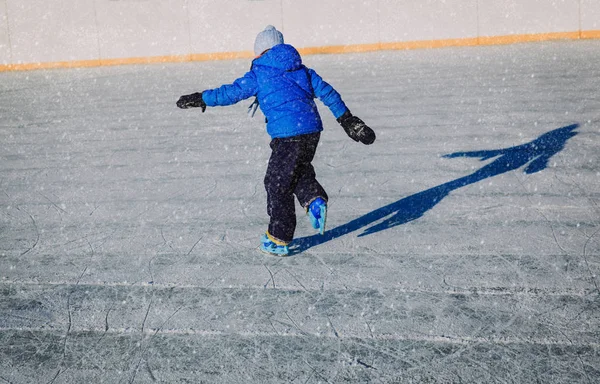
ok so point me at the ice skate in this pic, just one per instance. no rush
(268, 245)
(317, 213)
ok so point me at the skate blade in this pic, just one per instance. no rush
(262, 250)
(323, 220)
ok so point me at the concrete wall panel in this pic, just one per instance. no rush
(230, 25)
(316, 23)
(52, 31)
(142, 28)
(513, 17)
(590, 15)
(5, 56)
(55, 31)
(408, 20)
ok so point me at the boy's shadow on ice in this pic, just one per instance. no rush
(534, 154)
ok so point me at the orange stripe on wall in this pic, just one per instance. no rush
(126, 61)
(50, 65)
(419, 44)
(146, 60)
(512, 39)
(590, 34)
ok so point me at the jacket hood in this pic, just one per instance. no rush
(282, 56)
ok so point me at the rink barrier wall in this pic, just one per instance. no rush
(37, 34)
(334, 49)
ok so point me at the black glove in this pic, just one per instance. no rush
(356, 128)
(191, 101)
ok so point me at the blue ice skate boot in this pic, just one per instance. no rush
(317, 213)
(270, 245)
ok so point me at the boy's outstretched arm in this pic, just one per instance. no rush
(354, 127)
(228, 94)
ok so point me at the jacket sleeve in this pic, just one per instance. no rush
(229, 94)
(327, 94)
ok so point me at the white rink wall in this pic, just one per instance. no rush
(55, 33)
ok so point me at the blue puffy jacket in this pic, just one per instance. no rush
(285, 89)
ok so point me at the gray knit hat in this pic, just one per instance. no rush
(267, 39)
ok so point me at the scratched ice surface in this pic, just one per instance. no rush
(462, 247)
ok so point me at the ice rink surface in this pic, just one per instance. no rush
(463, 246)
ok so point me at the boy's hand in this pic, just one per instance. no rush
(356, 128)
(191, 101)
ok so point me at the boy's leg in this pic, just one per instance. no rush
(280, 182)
(310, 193)
(307, 187)
(290, 173)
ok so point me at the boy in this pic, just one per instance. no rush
(285, 90)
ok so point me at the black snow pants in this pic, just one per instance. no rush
(290, 173)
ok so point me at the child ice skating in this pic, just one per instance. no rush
(285, 91)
